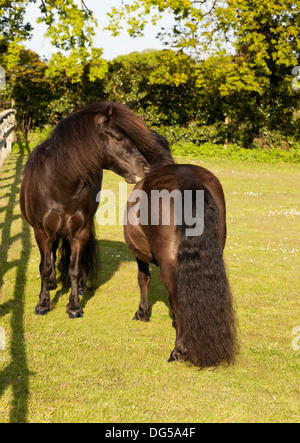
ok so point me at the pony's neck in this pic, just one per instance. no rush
(161, 153)
(161, 159)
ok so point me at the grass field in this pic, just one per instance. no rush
(107, 368)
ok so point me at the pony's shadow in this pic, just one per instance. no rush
(113, 254)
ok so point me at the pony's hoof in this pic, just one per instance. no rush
(75, 315)
(81, 293)
(177, 355)
(172, 358)
(141, 316)
(40, 311)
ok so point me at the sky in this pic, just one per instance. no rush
(113, 46)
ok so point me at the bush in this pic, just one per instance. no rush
(195, 142)
(234, 152)
(194, 133)
(35, 137)
(218, 133)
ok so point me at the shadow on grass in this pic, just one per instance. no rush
(16, 374)
(113, 254)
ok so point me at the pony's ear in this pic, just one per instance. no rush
(105, 117)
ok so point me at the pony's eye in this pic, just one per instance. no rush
(119, 138)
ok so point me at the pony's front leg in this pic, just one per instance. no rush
(45, 246)
(75, 271)
(144, 281)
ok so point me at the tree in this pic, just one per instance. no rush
(70, 28)
(137, 79)
(190, 18)
(249, 47)
(208, 25)
(30, 89)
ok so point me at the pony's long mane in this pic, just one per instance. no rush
(162, 154)
(75, 145)
(76, 148)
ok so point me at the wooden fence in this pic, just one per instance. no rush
(7, 133)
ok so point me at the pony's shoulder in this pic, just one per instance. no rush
(40, 153)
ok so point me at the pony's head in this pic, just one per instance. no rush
(104, 135)
(107, 135)
(123, 133)
(118, 131)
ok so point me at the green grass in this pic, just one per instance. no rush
(107, 368)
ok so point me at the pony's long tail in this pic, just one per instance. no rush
(90, 262)
(207, 317)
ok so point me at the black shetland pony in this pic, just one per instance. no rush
(61, 180)
(191, 267)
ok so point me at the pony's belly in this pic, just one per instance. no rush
(138, 244)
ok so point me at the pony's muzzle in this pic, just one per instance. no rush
(133, 179)
(140, 170)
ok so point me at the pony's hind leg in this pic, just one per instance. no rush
(45, 247)
(52, 279)
(78, 245)
(144, 281)
(168, 273)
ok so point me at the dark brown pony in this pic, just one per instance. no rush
(191, 267)
(61, 180)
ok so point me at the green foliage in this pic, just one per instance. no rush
(234, 152)
(30, 90)
(173, 69)
(205, 89)
(135, 79)
(190, 108)
(70, 28)
(261, 31)
(194, 133)
(188, 16)
(27, 142)
(12, 31)
(249, 79)
(41, 100)
(147, 57)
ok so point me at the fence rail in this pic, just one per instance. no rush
(7, 133)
